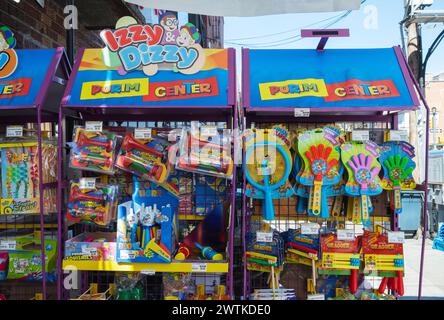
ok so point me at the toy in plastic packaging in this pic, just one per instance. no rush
(268, 166)
(93, 150)
(20, 177)
(146, 158)
(177, 286)
(129, 286)
(398, 165)
(93, 203)
(206, 150)
(361, 161)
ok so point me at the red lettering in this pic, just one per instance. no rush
(154, 34)
(274, 90)
(123, 38)
(95, 89)
(109, 39)
(137, 33)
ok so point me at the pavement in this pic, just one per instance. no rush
(433, 275)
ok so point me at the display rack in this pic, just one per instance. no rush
(33, 104)
(265, 68)
(122, 112)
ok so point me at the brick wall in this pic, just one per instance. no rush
(37, 27)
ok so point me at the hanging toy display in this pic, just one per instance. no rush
(319, 150)
(398, 165)
(206, 150)
(93, 151)
(267, 168)
(145, 158)
(361, 162)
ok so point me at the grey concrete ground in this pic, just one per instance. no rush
(433, 278)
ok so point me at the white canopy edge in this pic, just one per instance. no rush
(249, 8)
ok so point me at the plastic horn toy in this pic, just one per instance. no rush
(83, 140)
(77, 195)
(130, 143)
(182, 253)
(149, 170)
(397, 172)
(266, 187)
(319, 167)
(209, 253)
(86, 159)
(364, 174)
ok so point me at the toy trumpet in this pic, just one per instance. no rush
(94, 160)
(182, 253)
(129, 143)
(193, 142)
(83, 140)
(150, 170)
(77, 195)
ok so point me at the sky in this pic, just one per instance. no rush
(375, 25)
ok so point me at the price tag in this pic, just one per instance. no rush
(148, 272)
(319, 296)
(302, 112)
(198, 267)
(264, 236)
(87, 183)
(94, 126)
(345, 235)
(208, 131)
(127, 254)
(396, 236)
(8, 244)
(90, 251)
(172, 136)
(360, 135)
(142, 133)
(310, 228)
(398, 135)
(14, 131)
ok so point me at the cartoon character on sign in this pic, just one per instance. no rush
(169, 23)
(8, 56)
(189, 37)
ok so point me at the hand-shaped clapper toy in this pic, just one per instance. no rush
(397, 172)
(363, 174)
(319, 167)
(263, 170)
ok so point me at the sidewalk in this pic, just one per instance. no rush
(433, 276)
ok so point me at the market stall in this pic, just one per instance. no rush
(325, 169)
(150, 184)
(30, 93)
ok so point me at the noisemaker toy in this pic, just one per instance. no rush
(93, 151)
(398, 165)
(385, 258)
(267, 168)
(360, 160)
(206, 150)
(93, 204)
(339, 256)
(319, 150)
(145, 158)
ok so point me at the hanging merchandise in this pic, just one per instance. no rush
(268, 164)
(93, 151)
(91, 246)
(397, 161)
(384, 258)
(146, 158)
(206, 150)
(93, 203)
(20, 177)
(339, 256)
(361, 162)
(319, 151)
(129, 286)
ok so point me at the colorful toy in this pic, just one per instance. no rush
(265, 256)
(360, 159)
(92, 205)
(339, 255)
(206, 151)
(268, 166)
(209, 253)
(20, 179)
(438, 242)
(97, 246)
(93, 151)
(397, 161)
(385, 258)
(141, 157)
(319, 151)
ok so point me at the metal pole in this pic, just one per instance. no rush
(60, 233)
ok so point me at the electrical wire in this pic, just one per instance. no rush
(432, 48)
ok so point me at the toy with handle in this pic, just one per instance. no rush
(364, 174)
(266, 187)
(129, 143)
(319, 167)
(83, 140)
(209, 253)
(397, 172)
(151, 171)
